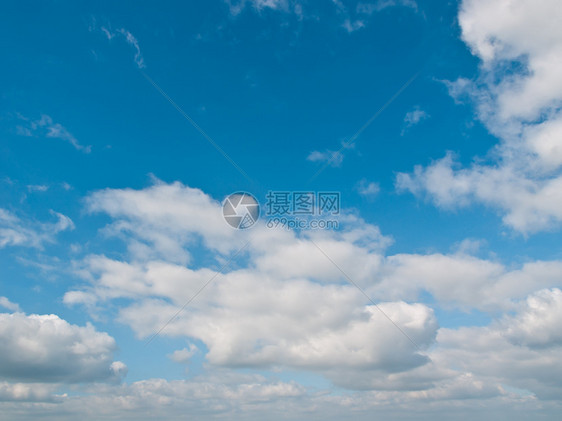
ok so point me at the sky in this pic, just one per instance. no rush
(433, 291)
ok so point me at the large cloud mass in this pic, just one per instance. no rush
(518, 96)
(282, 304)
(47, 349)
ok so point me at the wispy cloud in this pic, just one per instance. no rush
(414, 117)
(349, 24)
(131, 40)
(370, 8)
(45, 126)
(334, 157)
(107, 33)
(237, 6)
(353, 18)
(7, 304)
(368, 189)
(26, 233)
(37, 188)
(128, 37)
(330, 157)
(364, 10)
(353, 25)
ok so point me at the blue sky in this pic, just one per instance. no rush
(110, 212)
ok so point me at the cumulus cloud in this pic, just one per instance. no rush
(169, 220)
(46, 127)
(240, 334)
(463, 281)
(282, 304)
(518, 96)
(163, 219)
(47, 349)
(521, 350)
(259, 313)
(537, 324)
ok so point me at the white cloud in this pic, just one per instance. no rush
(28, 392)
(528, 204)
(284, 305)
(414, 117)
(351, 22)
(237, 6)
(8, 305)
(335, 158)
(526, 31)
(434, 388)
(538, 322)
(291, 334)
(37, 188)
(17, 232)
(110, 35)
(254, 397)
(522, 350)
(518, 96)
(127, 36)
(370, 8)
(45, 126)
(257, 315)
(255, 320)
(163, 219)
(469, 246)
(463, 281)
(368, 189)
(131, 40)
(287, 6)
(353, 25)
(363, 10)
(183, 355)
(170, 220)
(47, 349)
(220, 394)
